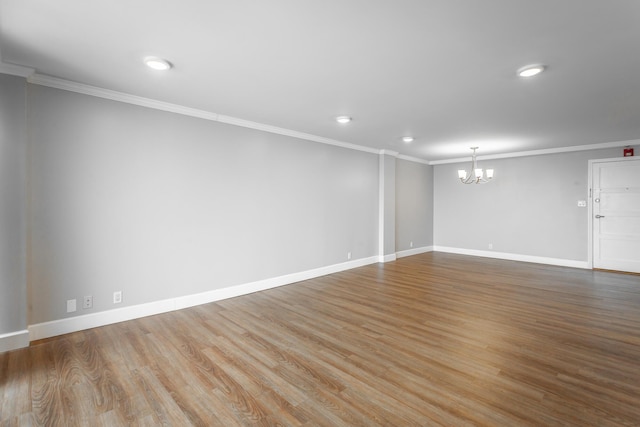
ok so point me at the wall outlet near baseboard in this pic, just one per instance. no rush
(348, 255)
(411, 244)
(117, 297)
(490, 246)
(71, 305)
(87, 302)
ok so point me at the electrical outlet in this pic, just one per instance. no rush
(411, 244)
(117, 297)
(348, 255)
(87, 302)
(71, 305)
(490, 246)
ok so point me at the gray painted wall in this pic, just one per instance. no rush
(414, 205)
(13, 285)
(160, 205)
(529, 209)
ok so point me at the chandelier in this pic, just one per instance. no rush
(475, 176)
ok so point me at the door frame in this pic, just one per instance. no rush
(590, 202)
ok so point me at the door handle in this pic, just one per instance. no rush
(599, 216)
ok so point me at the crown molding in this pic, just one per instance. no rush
(388, 153)
(293, 133)
(413, 159)
(573, 148)
(57, 83)
(16, 70)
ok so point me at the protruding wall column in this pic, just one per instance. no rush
(13, 282)
(387, 207)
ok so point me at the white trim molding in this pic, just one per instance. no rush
(14, 340)
(73, 324)
(414, 251)
(56, 83)
(93, 320)
(262, 285)
(69, 86)
(413, 159)
(387, 258)
(514, 257)
(43, 80)
(388, 153)
(569, 149)
(15, 70)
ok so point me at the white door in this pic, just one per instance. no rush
(616, 214)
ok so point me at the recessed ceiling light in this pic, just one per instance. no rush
(531, 70)
(407, 139)
(157, 63)
(343, 119)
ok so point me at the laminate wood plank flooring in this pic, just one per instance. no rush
(429, 340)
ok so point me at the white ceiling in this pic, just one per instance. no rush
(443, 71)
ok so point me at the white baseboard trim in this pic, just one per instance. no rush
(87, 321)
(14, 340)
(514, 257)
(73, 324)
(414, 251)
(261, 285)
(43, 330)
(386, 258)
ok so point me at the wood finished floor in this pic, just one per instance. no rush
(433, 339)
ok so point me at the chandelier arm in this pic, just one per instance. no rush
(472, 177)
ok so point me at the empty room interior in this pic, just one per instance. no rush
(328, 213)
